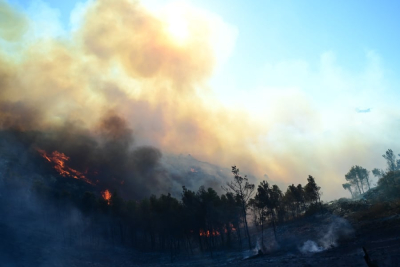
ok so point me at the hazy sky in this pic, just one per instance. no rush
(314, 85)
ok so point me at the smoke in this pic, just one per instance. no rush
(121, 58)
(338, 229)
(114, 92)
(36, 231)
(311, 247)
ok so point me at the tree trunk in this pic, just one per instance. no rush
(190, 244)
(200, 243)
(239, 235)
(228, 236)
(245, 224)
(369, 187)
(274, 225)
(351, 192)
(262, 232)
(358, 186)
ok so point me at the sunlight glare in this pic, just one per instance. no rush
(177, 22)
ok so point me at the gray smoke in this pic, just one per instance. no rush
(110, 159)
(329, 236)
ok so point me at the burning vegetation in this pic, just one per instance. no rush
(201, 221)
(50, 80)
(208, 233)
(106, 196)
(59, 160)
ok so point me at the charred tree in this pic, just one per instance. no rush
(243, 190)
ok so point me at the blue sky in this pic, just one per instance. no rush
(318, 80)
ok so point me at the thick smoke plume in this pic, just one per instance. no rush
(108, 95)
(122, 61)
(108, 161)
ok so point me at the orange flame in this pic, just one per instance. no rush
(232, 228)
(229, 228)
(59, 160)
(208, 233)
(106, 195)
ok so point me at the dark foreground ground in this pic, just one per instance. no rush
(340, 240)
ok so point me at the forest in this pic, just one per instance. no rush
(199, 219)
(232, 217)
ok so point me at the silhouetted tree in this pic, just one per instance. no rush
(378, 173)
(312, 190)
(300, 196)
(347, 186)
(390, 160)
(210, 202)
(193, 217)
(363, 175)
(116, 204)
(89, 203)
(231, 216)
(359, 176)
(352, 177)
(243, 190)
(261, 204)
(289, 200)
(275, 199)
(391, 183)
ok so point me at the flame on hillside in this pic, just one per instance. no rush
(59, 159)
(106, 195)
(209, 233)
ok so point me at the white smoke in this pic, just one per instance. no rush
(338, 228)
(311, 247)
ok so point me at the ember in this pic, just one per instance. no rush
(59, 160)
(106, 195)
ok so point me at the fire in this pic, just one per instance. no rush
(106, 195)
(232, 230)
(59, 160)
(230, 226)
(192, 170)
(208, 233)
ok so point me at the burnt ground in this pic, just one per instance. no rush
(380, 236)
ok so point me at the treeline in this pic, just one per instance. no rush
(359, 180)
(198, 220)
(271, 205)
(202, 219)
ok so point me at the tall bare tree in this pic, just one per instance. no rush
(243, 190)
